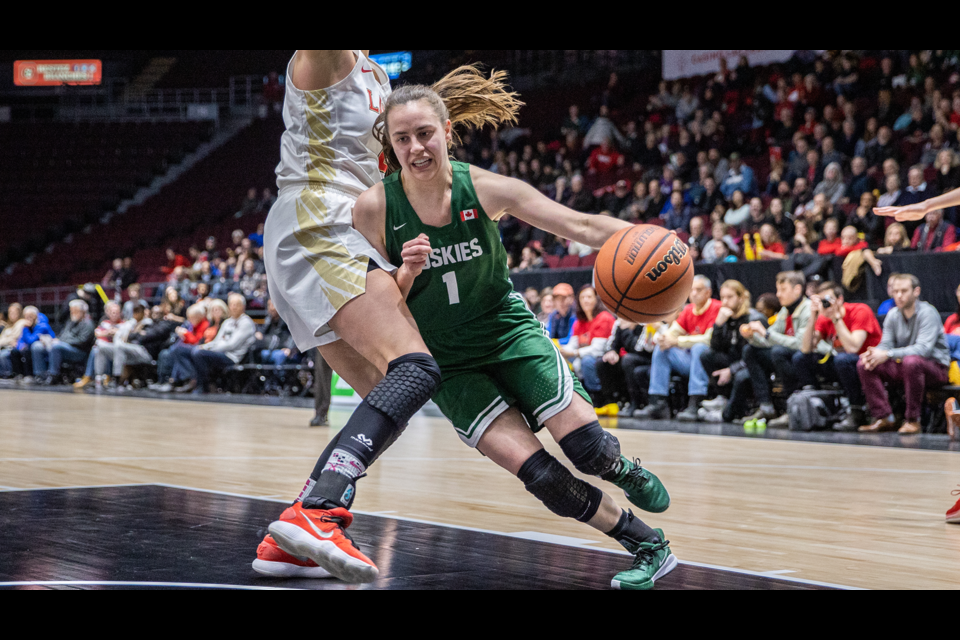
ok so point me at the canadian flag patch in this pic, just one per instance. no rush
(469, 214)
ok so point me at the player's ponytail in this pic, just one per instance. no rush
(464, 96)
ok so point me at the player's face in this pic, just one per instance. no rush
(419, 139)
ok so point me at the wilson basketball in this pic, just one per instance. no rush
(644, 274)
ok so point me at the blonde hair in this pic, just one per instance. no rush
(464, 97)
(746, 302)
(219, 304)
(904, 238)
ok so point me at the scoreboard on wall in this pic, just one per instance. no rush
(55, 73)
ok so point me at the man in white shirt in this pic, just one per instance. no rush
(235, 338)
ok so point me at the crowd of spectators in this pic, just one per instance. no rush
(733, 356)
(828, 140)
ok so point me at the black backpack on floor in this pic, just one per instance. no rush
(814, 410)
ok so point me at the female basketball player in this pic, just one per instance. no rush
(337, 293)
(502, 378)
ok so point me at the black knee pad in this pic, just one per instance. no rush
(409, 383)
(554, 485)
(592, 450)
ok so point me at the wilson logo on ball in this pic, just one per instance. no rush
(676, 254)
(638, 244)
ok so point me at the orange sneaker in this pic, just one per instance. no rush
(320, 536)
(274, 562)
(953, 516)
(952, 409)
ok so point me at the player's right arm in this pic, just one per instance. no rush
(920, 210)
(500, 195)
(315, 69)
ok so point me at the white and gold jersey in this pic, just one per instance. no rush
(329, 137)
(316, 261)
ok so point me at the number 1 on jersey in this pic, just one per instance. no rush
(453, 291)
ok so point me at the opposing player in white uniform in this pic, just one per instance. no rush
(337, 293)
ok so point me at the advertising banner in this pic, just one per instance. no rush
(53, 73)
(686, 63)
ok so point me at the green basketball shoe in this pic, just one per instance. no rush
(643, 489)
(652, 562)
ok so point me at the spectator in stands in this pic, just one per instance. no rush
(236, 238)
(865, 221)
(698, 239)
(134, 299)
(849, 242)
(676, 215)
(805, 239)
(128, 274)
(249, 280)
(106, 353)
(778, 218)
(739, 178)
(625, 364)
(830, 155)
(848, 138)
(832, 186)
(650, 157)
(831, 242)
(720, 235)
(616, 201)
(89, 294)
(105, 333)
(657, 200)
(913, 351)
(739, 211)
(532, 297)
(250, 204)
(580, 198)
(757, 218)
(531, 258)
(952, 326)
(10, 336)
(705, 199)
(860, 180)
(881, 149)
(850, 329)
(917, 189)
(177, 304)
(773, 248)
(934, 234)
(274, 344)
(679, 350)
(771, 349)
(72, 345)
(560, 323)
(210, 249)
(196, 331)
(591, 331)
(174, 260)
(801, 196)
(575, 123)
(36, 328)
(603, 129)
(636, 209)
(267, 200)
(605, 160)
(947, 165)
(229, 348)
(723, 361)
(892, 194)
(114, 277)
(143, 344)
(547, 306)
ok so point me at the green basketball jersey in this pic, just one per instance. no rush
(467, 274)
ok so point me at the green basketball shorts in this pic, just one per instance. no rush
(501, 360)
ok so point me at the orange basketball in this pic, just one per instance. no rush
(644, 274)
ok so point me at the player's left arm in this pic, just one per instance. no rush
(500, 195)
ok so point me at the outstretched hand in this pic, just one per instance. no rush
(903, 214)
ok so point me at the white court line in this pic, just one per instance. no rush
(700, 565)
(174, 585)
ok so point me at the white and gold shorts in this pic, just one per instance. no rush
(316, 261)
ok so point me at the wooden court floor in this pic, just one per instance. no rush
(854, 516)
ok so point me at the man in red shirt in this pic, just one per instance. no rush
(851, 328)
(678, 351)
(605, 159)
(935, 234)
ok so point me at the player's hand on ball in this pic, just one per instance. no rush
(416, 253)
